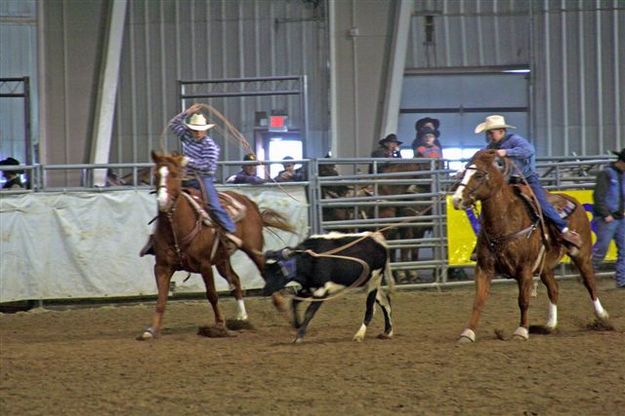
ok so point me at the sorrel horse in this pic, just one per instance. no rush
(511, 242)
(182, 242)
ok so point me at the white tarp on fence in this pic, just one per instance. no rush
(86, 244)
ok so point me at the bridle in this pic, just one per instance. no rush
(483, 178)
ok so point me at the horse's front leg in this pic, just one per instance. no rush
(482, 290)
(162, 274)
(211, 295)
(525, 282)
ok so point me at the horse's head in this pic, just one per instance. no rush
(168, 178)
(480, 180)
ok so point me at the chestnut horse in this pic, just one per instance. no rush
(182, 242)
(511, 242)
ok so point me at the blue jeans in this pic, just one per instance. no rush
(217, 212)
(549, 212)
(606, 232)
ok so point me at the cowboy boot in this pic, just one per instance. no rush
(570, 237)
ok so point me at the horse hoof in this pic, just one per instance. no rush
(466, 337)
(298, 340)
(148, 334)
(385, 336)
(358, 338)
(521, 334)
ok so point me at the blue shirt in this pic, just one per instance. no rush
(520, 151)
(202, 154)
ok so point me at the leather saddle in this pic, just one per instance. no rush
(563, 206)
(234, 208)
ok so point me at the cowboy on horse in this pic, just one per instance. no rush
(523, 154)
(201, 154)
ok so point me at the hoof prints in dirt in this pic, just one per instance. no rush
(214, 332)
(238, 324)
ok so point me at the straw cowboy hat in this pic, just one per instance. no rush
(491, 123)
(198, 122)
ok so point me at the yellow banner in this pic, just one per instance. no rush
(462, 228)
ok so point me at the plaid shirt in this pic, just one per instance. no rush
(203, 154)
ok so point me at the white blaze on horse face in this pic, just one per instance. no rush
(457, 198)
(162, 196)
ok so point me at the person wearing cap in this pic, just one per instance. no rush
(428, 123)
(425, 144)
(247, 174)
(289, 174)
(13, 180)
(523, 155)
(609, 215)
(388, 147)
(201, 154)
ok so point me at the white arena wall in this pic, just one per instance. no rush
(86, 244)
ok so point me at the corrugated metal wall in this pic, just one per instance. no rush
(18, 41)
(166, 41)
(575, 49)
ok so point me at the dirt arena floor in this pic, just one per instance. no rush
(81, 361)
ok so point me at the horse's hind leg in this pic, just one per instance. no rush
(226, 270)
(584, 265)
(211, 295)
(548, 279)
(162, 275)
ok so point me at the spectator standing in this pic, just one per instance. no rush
(425, 144)
(609, 215)
(13, 180)
(429, 123)
(388, 147)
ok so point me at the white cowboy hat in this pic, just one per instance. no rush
(198, 122)
(491, 123)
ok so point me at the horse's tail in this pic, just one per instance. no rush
(274, 219)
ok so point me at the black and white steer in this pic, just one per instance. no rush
(327, 264)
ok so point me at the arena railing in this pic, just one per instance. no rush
(362, 203)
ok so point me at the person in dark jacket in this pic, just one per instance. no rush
(13, 180)
(388, 147)
(247, 174)
(289, 174)
(609, 215)
(523, 155)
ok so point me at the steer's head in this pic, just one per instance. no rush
(278, 270)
